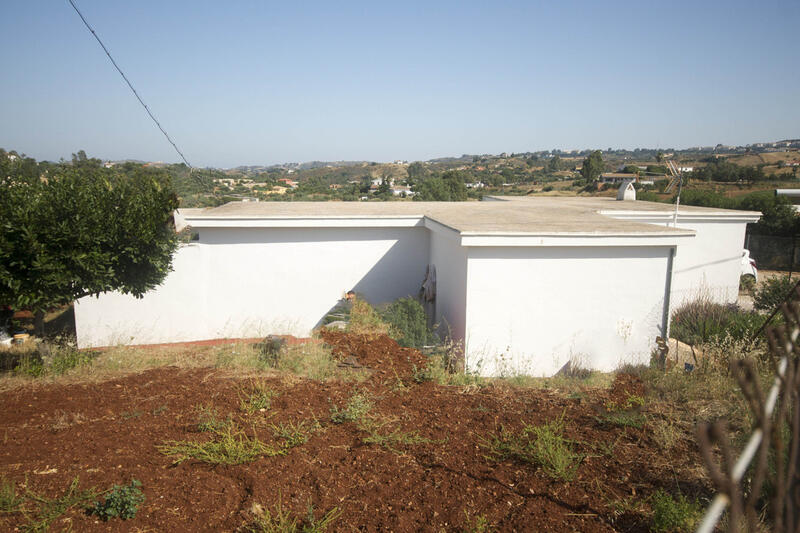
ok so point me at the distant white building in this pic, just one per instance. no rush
(525, 284)
(400, 190)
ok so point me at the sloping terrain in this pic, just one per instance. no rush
(385, 452)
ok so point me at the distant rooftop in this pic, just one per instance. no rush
(496, 215)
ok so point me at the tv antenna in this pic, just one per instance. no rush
(677, 179)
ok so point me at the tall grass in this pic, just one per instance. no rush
(703, 321)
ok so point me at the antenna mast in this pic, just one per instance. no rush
(677, 178)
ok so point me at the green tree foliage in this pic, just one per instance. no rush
(724, 170)
(449, 187)
(631, 169)
(555, 164)
(82, 229)
(408, 323)
(592, 166)
(656, 169)
(772, 293)
(778, 216)
(416, 172)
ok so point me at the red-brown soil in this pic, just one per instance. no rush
(107, 434)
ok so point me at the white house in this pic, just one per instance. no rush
(527, 284)
(792, 194)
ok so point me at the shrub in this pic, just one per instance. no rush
(747, 283)
(673, 514)
(66, 358)
(364, 319)
(122, 502)
(772, 293)
(544, 446)
(703, 321)
(408, 323)
(47, 359)
(647, 196)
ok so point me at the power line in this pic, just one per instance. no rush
(124, 77)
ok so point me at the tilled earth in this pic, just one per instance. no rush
(109, 433)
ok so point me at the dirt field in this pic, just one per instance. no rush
(422, 457)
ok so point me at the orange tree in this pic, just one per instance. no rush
(74, 229)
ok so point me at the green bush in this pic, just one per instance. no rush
(66, 358)
(364, 319)
(703, 321)
(50, 359)
(747, 283)
(408, 323)
(673, 514)
(122, 502)
(772, 293)
(647, 196)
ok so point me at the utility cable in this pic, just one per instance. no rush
(124, 77)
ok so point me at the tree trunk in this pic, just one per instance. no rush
(38, 324)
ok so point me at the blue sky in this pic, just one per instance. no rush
(260, 82)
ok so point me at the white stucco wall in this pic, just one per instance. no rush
(450, 260)
(249, 282)
(530, 310)
(708, 265)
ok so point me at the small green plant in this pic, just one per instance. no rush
(230, 445)
(625, 413)
(357, 406)
(208, 420)
(127, 415)
(122, 502)
(280, 520)
(772, 293)
(673, 514)
(30, 365)
(633, 401)
(421, 375)
(476, 524)
(390, 440)
(623, 419)
(607, 447)
(257, 397)
(292, 434)
(49, 509)
(10, 502)
(544, 446)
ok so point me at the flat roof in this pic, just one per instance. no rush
(497, 215)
